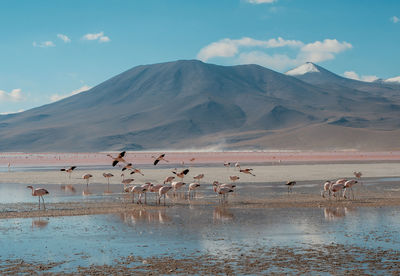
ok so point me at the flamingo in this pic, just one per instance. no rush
(87, 176)
(162, 192)
(159, 158)
(193, 187)
(337, 187)
(349, 185)
(137, 190)
(177, 185)
(234, 178)
(247, 171)
(290, 184)
(192, 159)
(199, 177)
(357, 174)
(127, 166)
(147, 186)
(69, 170)
(227, 164)
(327, 188)
(223, 191)
(119, 158)
(217, 185)
(126, 182)
(108, 175)
(181, 174)
(237, 165)
(169, 179)
(134, 170)
(156, 188)
(39, 192)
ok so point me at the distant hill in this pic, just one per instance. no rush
(190, 104)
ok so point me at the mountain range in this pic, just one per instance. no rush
(189, 104)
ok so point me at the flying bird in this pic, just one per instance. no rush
(159, 158)
(247, 171)
(119, 158)
(69, 170)
(181, 174)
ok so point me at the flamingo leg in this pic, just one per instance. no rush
(133, 197)
(44, 206)
(39, 202)
(108, 185)
(164, 199)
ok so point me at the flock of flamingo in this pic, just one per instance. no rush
(336, 189)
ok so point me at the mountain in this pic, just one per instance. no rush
(393, 80)
(190, 104)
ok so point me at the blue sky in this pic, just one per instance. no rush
(52, 49)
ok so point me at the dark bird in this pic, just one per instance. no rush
(290, 184)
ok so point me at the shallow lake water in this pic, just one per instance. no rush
(177, 230)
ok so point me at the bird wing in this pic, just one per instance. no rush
(115, 162)
(185, 172)
(156, 161)
(122, 154)
(73, 168)
(63, 170)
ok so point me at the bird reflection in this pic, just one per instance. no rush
(138, 216)
(39, 223)
(333, 213)
(222, 214)
(68, 188)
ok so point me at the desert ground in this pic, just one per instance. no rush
(260, 228)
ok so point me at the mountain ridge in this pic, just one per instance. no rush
(178, 103)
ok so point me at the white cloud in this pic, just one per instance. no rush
(230, 47)
(44, 44)
(97, 36)
(14, 96)
(289, 53)
(394, 19)
(353, 75)
(261, 1)
(64, 38)
(104, 39)
(57, 97)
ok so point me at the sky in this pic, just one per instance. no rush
(50, 49)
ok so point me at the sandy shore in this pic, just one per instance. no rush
(68, 159)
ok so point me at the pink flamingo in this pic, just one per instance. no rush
(337, 187)
(234, 178)
(349, 185)
(69, 170)
(177, 185)
(193, 187)
(162, 192)
(181, 174)
(247, 171)
(327, 188)
(119, 158)
(126, 182)
(199, 177)
(137, 190)
(169, 179)
(159, 158)
(39, 192)
(108, 175)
